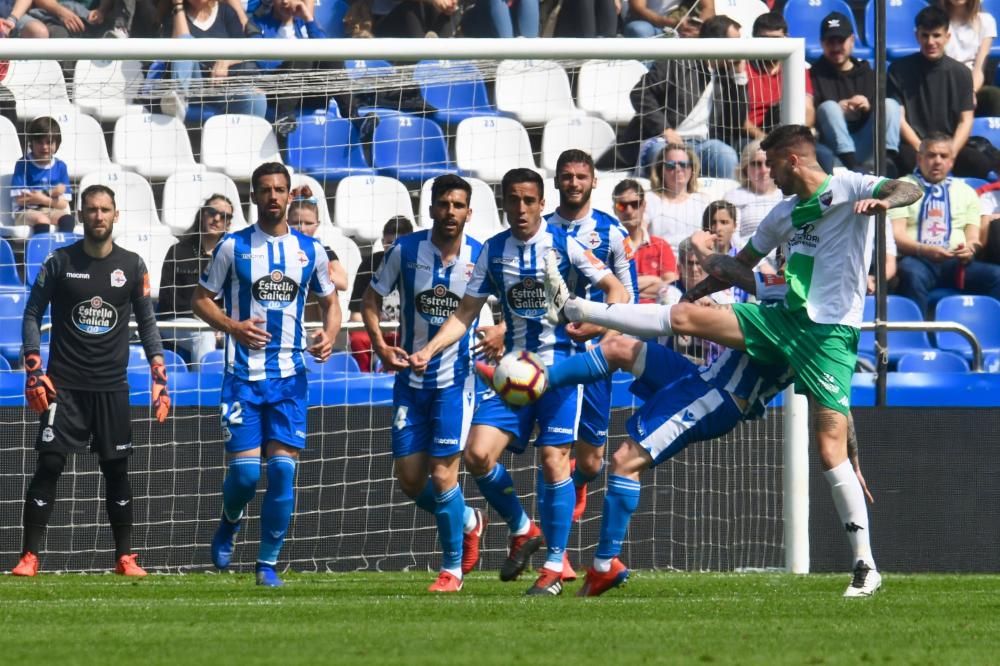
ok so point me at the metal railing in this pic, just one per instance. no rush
(934, 326)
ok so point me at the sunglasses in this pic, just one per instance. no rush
(679, 164)
(309, 200)
(212, 211)
(760, 164)
(622, 206)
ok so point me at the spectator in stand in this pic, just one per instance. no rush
(16, 21)
(303, 215)
(186, 260)
(411, 18)
(757, 193)
(361, 344)
(653, 18)
(764, 81)
(843, 88)
(938, 235)
(675, 205)
(701, 103)
(499, 18)
(936, 94)
(989, 234)
(210, 19)
(972, 35)
(587, 18)
(655, 263)
(93, 18)
(719, 219)
(40, 188)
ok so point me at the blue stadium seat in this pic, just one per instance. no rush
(804, 18)
(900, 37)
(4, 365)
(409, 149)
(991, 362)
(341, 362)
(137, 360)
(40, 246)
(9, 279)
(981, 314)
(988, 128)
(456, 89)
(213, 361)
(899, 308)
(11, 314)
(327, 147)
(932, 361)
(329, 14)
(358, 69)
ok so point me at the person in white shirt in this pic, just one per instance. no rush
(972, 35)
(674, 205)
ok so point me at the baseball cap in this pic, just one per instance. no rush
(835, 24)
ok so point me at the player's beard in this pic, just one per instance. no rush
(96, 236)
(583, 202)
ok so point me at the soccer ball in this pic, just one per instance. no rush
(520, 378)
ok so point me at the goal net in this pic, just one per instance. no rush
(365, 125)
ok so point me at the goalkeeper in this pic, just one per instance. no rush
(94, 286)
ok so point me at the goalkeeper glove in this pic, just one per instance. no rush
(38, 388)
(161, 401)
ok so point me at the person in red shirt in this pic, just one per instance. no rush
(764, 81)
(655, 263)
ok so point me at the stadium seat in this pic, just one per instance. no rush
(137, 361)
(133, 195)
(185, 192)
(105, 88)
(456, 89)
(485, 219)
(358, 69)
(10, 281)
(744, 12)
(36, 85)
(409, 149)
(213, 361)
(533, 91)
(991, 7)
(932, 361)
(487, 148)
(38, 247)
(804, 18)
(153, 145)
(584, 132)
(899, 309)
(83, 147)
(11, 315)
(152, 246)
(991, 362)
(327, 147)
(900, 39)
(4, 365)
(329, 14)
(236, 144)
(603, 88)
(715, 188)
(7, 227)
(980, 314)
(349, 255)
(10, 145)
(988, 128)
(364, 204)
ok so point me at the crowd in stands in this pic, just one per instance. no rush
(691, 121)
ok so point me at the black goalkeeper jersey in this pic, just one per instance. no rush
(92, 301)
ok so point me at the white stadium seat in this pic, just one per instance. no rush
(105, 88)
(533, 91)
(715, 188)
(363, 204)
(134, 197)
(604, 87)
(83, 147)
(152, 144)
(744, 12)
(488, 147)
(236, 144)
(592, 135)
(485, 219)
(152, 246)
(349, 255)
(185, 192)
(10, 146)
(37, 85)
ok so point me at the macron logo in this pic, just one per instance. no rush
(123, 502)
(40, 502)
(852, 527)
(688, 417)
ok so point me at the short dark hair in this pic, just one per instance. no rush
(787, 136)
(195, 227)
(448, 182)
(42, 127)
(769, 22)
(931, 17)
(398, 225)
(717, 27)
(522, 175)
(712, 208)
(574, 156)
(94, 190)
(935, 137)
(267, 169)
(627, 184)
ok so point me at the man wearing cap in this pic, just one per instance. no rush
(843, 90)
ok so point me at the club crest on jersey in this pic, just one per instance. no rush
(469, 268)
(436, 304)
(527, 298)
(94, 316)
(593, 240)
(825, 199)
(275, 290)
(118, 278)
(303, 259)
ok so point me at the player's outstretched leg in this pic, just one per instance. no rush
(275, 516)
(237, 490)
(118, 501)
(38, 503)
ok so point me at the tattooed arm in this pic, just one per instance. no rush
(723, 271)
(891, 194)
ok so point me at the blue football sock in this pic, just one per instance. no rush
(276, 510)
(240, 486)
(539, 494)
(425, 500)
(498, 489)
(450, 513)
(582, 479)
(579, 369)
(557, 517)
(620, 502)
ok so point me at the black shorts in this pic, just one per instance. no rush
(78, 420)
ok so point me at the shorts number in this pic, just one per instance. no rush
(232, 413)
(400, 421)
(52, 413)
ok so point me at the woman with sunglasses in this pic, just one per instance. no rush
(184, 263)
(675, 205)
(757, 193)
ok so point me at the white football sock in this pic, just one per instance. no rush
(457, 573)
(602, 565)
(849, 499)
(639, 366)
(644, 320)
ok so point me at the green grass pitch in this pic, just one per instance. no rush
(378, 618)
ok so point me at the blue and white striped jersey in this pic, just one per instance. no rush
(269, 277)
(513, 271)
(605, 236)
(757, 383)
(429, 292)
